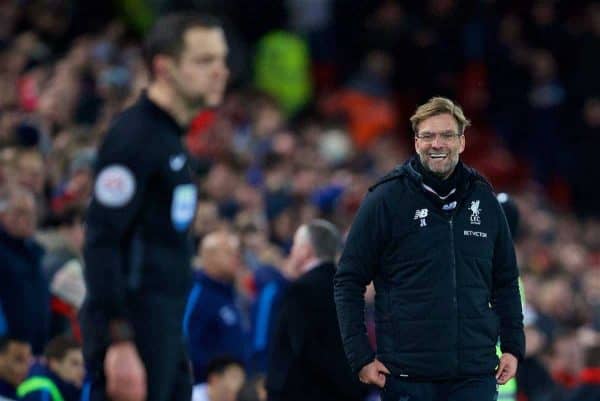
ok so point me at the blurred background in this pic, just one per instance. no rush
(317, 109)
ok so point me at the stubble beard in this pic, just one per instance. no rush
(440, 174)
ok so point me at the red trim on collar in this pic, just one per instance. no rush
(590, 376)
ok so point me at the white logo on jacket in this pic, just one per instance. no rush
(421, 214)
(475, 211)
(228, 315)
(469, 233)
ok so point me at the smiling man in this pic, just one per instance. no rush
(434, 240)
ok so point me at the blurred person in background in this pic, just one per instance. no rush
(31, 174)
(565, 359)
(269, 278)
(68, 291)
(212, 323)
(138, 251)
(588, 387)
(306, 358)
(420, 234)
(253, 389)
(65, 242)
(224, 379)
(15, 359)
(63, 266)
(24, 294)
(75, 191)
(59, 377)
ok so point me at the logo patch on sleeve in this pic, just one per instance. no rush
(183, 207)
(115, 186)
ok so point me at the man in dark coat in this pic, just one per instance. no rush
(434, 240)
(306, 358)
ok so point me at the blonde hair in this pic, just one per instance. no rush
(436, 106)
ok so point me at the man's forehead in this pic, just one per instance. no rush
(19, 347)
(205, 40)
(438, 123)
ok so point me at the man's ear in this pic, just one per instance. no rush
(462, 143)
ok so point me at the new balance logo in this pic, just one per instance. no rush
(421, 214)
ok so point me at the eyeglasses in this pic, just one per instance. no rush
(445, 137)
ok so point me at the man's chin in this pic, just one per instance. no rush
(438, 171)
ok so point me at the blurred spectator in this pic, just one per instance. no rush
(253, 390)
(533, 379)
(61, 375)
(212, 323)
(365, 102)
(63, 266)
(64, 243)
(282, 69)
(68, 291)
(76, 190)
(588, 388)
(224, 378)
(15, 358)
(584, 171)
(565, 359)
(24, 292)
(270, 286)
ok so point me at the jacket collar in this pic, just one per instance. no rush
(468, 176)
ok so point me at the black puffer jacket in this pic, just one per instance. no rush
(446, 282)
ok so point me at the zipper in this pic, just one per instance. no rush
(454, 285)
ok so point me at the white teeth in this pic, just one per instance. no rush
(437, 156)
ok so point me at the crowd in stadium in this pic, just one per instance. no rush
(280, 153)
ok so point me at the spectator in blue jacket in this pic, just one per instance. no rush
(15, 359)
(270, 286)
(212, 323)
(60, 378)
(24, 294)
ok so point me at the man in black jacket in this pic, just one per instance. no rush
(432, 237)
(306, 358)
(138, 251)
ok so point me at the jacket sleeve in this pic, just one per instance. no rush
(356, 270)
(121, 175)
(506, 300)
(199, 320)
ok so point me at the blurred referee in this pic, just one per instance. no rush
(137, 251)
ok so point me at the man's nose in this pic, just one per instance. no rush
(437, 141)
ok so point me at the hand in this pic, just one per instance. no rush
(507, 368)
(373, 373)
(125, 373)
